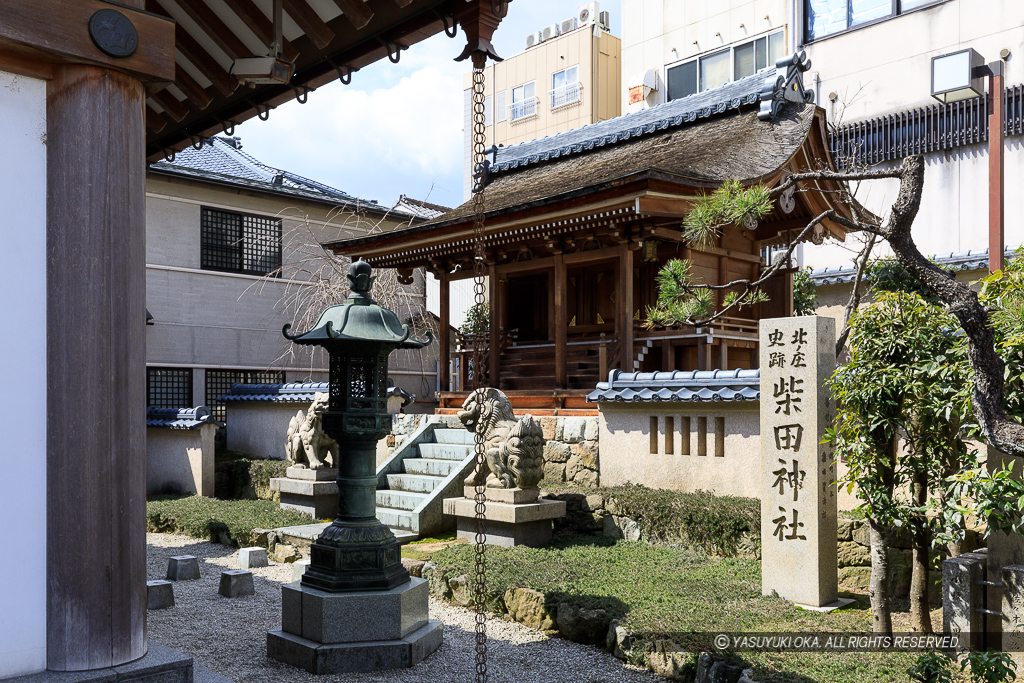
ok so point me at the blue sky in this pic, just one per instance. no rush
(397, 128)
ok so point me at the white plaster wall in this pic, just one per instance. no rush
(259, 428)
(180, 460)
(23, 359)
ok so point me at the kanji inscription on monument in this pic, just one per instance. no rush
(798, 491)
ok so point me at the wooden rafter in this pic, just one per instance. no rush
(215, 28)
(260, 25)
(193, 91)
(171, 105)
(154, 121)
(310, 22)
(196, 53)
(356, 11)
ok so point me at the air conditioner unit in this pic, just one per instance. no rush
(549, 32)
(568, 25)
(588, 13)
(606, 21)
(532, 39)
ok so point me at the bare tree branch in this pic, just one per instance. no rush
(861, 262)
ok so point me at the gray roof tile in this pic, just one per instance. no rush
(179, 418)
(679, 386)
(973, 259)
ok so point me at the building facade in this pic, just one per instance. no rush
(232, 248)
(871, 72)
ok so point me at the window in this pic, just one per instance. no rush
(825, 17)
(727, 65)
(219, 383)
(565, 87)
(240, 243)
(500, 107)
(169, 387)
(524, 101)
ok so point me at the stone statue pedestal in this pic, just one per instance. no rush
(314, 492)
(328, 633)
(514, 516)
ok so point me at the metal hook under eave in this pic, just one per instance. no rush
(301, 94)
(451, 27)
(262, 110)
(501, 9)
(394, 49)
(344, 72)
(224, 127)
(169, 156)
(198, 146)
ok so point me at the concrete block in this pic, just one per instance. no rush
(342, 617)
(291, 608)
(511, 496)
(159, 594)
(322, 474)
(961, 596)
(249, 558)
(235, 583)
(298, 569)
(183, 568)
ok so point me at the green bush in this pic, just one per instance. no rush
(230, 522)
(238, 477)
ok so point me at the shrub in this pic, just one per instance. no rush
(230, 522)
(247, 478)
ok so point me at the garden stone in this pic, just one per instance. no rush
(747, 677)
(554, 471)
(573, 429)
(183, 568)
(250, 558)
(618, 641)
(667, 661)
(704, 663)
(900, 571)
(159, 594)
(235, 583)
(593, 502)
(529, 608)
(850, 554)
(585, 477)
(284, 553)
(461, 592)
(414, 567)
(588, 454)
(265, 538)
(547, 426)
(723, 672)
(844, 529)
(298, 569)
(587, 626)
(858, 578)
(861, 535)
(591, 431)
(585, 521)
(556, 452)
(621, 527)
(437, 581)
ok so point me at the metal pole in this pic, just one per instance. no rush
(995, 168)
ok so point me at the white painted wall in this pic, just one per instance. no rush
(23, 359)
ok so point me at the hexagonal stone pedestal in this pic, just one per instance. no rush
(508, 523)
(314, 492)
(354, 632)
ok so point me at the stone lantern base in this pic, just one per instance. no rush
(314, 492)
(326, 633)
(514, 516)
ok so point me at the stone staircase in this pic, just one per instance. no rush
(412, 483)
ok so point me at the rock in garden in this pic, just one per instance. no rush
(461, 591)
(284, 553)
(414, 567)
(265, 538)
(844, 529)
(159, 594)
(593, 502)
(667, 661)
(621, 527)
(591, 430)
(554, 471)
(581, 625)
(250, 558)
(618, 641)
(556, 452)
(298, 569)
(723, 672)
(857, 578)
(437, 580)
(852, 554)
(235, 583)
(529, 608)
(183, 568)
(704, 663)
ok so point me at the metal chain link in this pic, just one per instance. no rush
(480, 564)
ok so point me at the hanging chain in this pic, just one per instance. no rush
(480, 565)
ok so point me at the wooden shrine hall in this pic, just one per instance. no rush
(578, 225)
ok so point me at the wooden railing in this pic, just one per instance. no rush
(461, 380)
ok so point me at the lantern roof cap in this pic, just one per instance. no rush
(359, 318)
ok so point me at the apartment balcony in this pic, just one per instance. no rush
(522, 110)
(566, 95)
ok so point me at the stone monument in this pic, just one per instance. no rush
(308, 485)
(514, 465)
(356, 608)
(798, 490)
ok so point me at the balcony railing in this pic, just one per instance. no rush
(567, 94)
(522, 110)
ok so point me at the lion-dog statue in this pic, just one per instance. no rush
(307, 445)
(514, 449)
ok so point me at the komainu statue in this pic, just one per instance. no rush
(307, 444)
(514, 448)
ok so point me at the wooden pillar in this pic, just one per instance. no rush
(495, 318)
(96, 353)
(561, 324)
(996, 239)
(625, 306)
(444, 341)
(723, 355)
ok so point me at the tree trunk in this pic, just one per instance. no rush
(878, 592)
(920, 617)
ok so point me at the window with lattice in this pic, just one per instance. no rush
(219, 383)
(240, 243)
(169, 387)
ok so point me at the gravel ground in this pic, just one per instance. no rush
(229, 636)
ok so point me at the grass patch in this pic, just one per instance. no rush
(667, 590)
(230, 522)
(424, 548)
(239, 477)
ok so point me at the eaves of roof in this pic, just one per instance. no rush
(179, 418)
(679, 386)
(973, 259)
(293, 392)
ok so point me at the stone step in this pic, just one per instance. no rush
(446, 451)
(462, 436)
(396, 519)
(399, 500)
(437, 468)
(413, 483)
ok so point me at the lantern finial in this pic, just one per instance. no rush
(359, 276)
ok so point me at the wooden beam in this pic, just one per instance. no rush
(495, 332)
(723, 355)
(561, 325)
(444, 335)
(670, 207)
(625, 306)
(403, 3)
(310, 22)
(356, 11)
(215, 28)
(171, 105)
(262, 27)
(196, 53)
(190, 87)
(154, 121)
